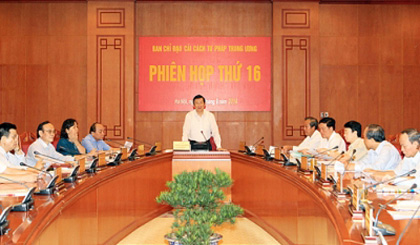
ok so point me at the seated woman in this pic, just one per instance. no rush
(69, 143)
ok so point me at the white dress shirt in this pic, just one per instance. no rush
(310, 142)
(408, 164)
(333, 141)
(195, 124)
(13, 160)
(40, 146)
(4, 161)
(385, 157)
(359, 146)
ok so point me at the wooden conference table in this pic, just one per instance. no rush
(105, 207)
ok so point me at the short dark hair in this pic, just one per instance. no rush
(5, 129)
(93, 127)
(68, 123)
(329, 121)
(199, 96)
(313, 122)
(413, 135)
(375, 132)
(354, 126)
(40, 128)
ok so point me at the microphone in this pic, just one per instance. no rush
(327, 150)
(352, 155)
(73, 175)
(267, 155)
(118, 143)
(46, 157)
(205, 140)
(202, 133)
(152, 150)
(37, 169)
(335, 158)
(408, 224)
(351, 159)
(49, 189)
(27, 202)
(4, 223)
(413, 171)
(248, 149)
(286, 160)
(261, 140)
(384, 228)
(140, 142)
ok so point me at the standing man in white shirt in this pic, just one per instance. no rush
(330, 139)
(45, 133)
(200, 125)
(382, 155)
(312, 140)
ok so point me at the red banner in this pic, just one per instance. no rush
(232, 73)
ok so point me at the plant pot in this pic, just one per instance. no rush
(214, 239)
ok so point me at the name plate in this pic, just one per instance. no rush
(158, 146)
(124, 152)
(58, 173)
(140, 150)
(181, 146)
(101, 159)
(82, 165)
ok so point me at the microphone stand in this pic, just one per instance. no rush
(408, 224)
(248, 149)
(413, 171)
(37, 169)
(386, 229)
(322, 152)
(152, 150)
(4, 223)
(139, 141)
(27, 202)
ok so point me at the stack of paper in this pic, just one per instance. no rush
(405, 209)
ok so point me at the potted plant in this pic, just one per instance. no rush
(198, 200)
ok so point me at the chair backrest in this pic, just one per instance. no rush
(26, 139)
(394, 139)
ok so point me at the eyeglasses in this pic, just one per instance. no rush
(51, 131)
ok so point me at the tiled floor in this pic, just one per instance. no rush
(243, 232)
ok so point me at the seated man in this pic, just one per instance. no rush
(353, 134)
(330, 138)
(45, 133)
(382, 155)
(10, 163)
(312, 140)
(94, 141)
(410, 143)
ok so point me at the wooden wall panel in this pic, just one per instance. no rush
(110, 67)
(411, 88)
(47, 41)
(37, 102)
(391, 93)
(368, 96)
(296, 75)
(35, 17)
(13, 83)
(361, 64)
(380, 41)
(203, 19)
(339, 80)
